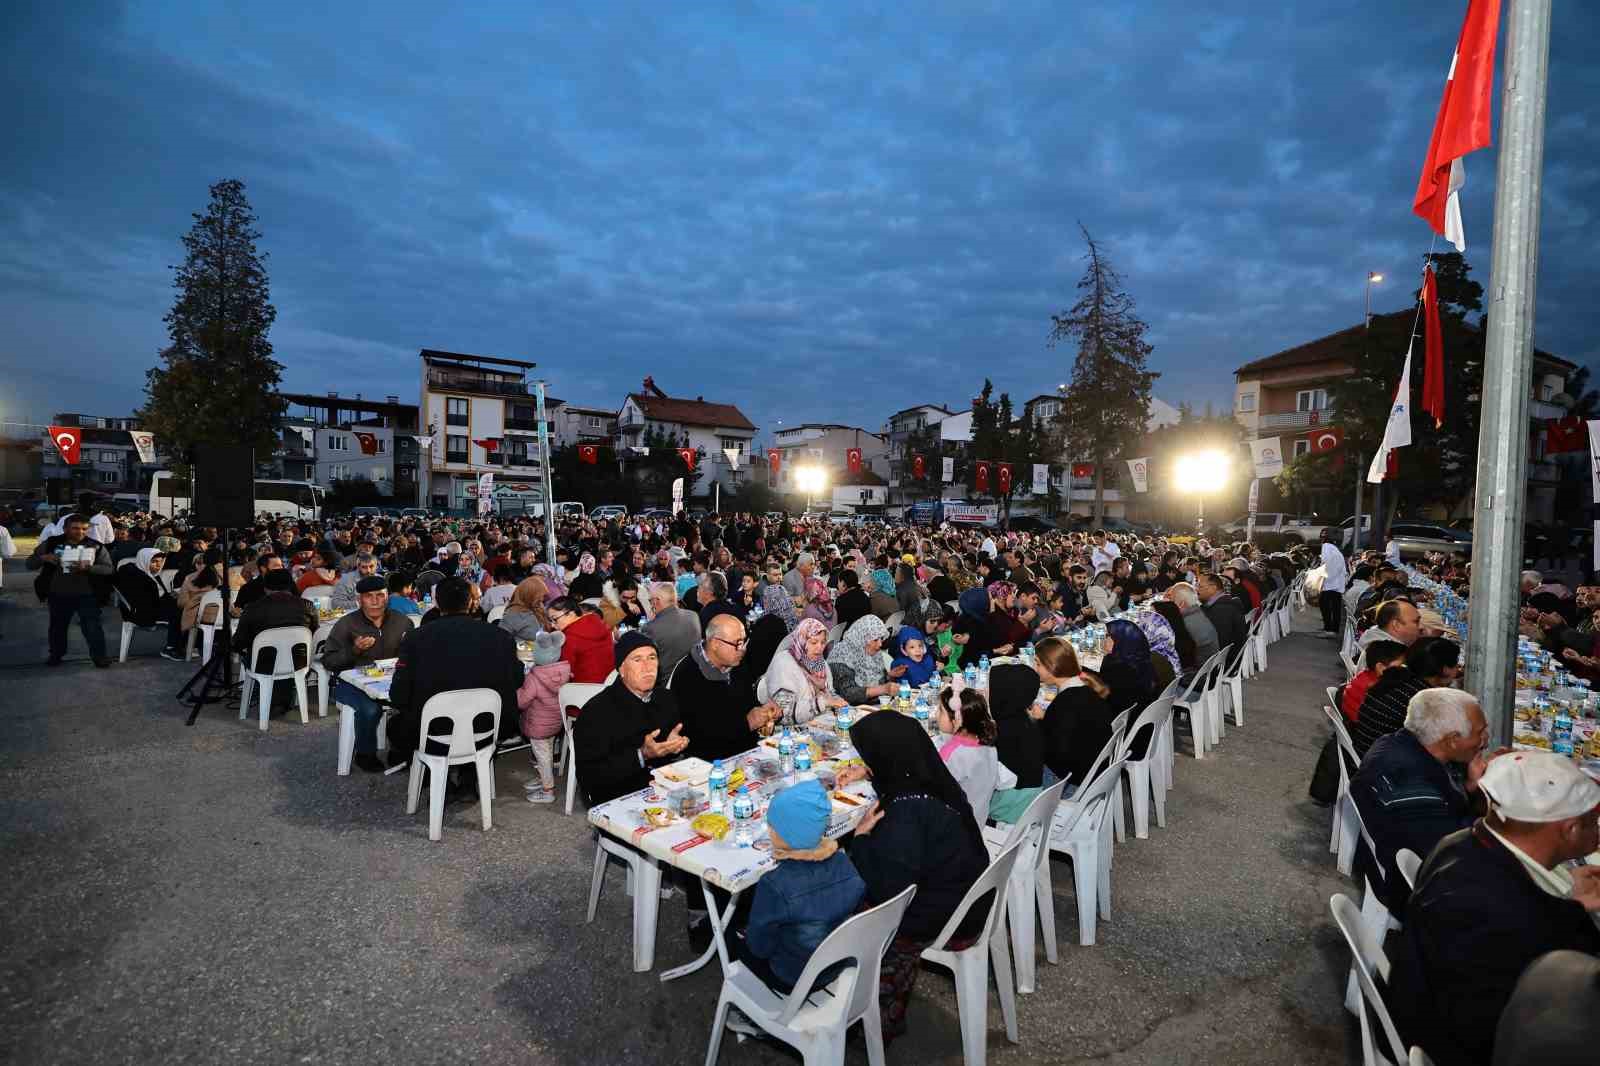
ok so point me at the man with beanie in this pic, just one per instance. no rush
(1493, 898)
(812, 889)
(627, 727)
(361, 638)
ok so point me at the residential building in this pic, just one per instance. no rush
(907, 431)
(107, 463)
(866, 491)
(711, 428)
(826, 445)
(584, 425)
(22, 463)
(481, 413)
(1289, 395)
(332, 438)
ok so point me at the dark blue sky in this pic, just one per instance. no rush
(823, 211)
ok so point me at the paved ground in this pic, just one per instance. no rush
(216, 894)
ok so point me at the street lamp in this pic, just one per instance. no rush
(1373, 278)
(810, 479)
(1199, 473)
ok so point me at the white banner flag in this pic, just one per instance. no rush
(1594, 460)
(423, 443)
(1397, 434)
(1255, 497)
(1139, 471)
(145, 444)
(485, 493)
(949, 470)
(1041, 479)
(1267, 455)
(677, 495)
(733, 457)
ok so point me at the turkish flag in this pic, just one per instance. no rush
(1326, 440)
(1083, 470)
(687, 455)
(68, 440)
(1005, 477)
(1567, 434)
(588, 453)
(774, 461)
(852, 459)
(983, 477)
(918, 467)
(368, 442)
(488, 444)
(1462, 125)
(1433, 351)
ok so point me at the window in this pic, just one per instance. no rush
(338, 444)
(1247, 401)
(1301, 447)
(383, 445)
(593, 421)
(111, 457)
(732, 444)
(455, 411)
(379, 474)
(109, 477)
(1546, 391)
(1311, 400)
(455, 449)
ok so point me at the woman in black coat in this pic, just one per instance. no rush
(1018, 742)
(148, 601)
(1076, 725)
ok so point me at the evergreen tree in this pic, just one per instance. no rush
(218, 381)
(1106, 407)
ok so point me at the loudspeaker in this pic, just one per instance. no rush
(224, 480)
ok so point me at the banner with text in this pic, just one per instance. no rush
(1139, 471)
(1267, 454)
(949, 470)
(485, 493)
(1041, 479)
(145, 444)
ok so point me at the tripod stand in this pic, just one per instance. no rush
(215, 677)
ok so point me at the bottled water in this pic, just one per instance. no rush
(786, 752)
(718, 784)
(843, 720)
(744, 811)
(802, 760)
(905, 694)
(983, 671)
(1027, 654)
(924, 719)
(970, 676)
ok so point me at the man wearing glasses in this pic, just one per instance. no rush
(721, 714)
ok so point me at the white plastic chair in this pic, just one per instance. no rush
(1345, 832)
(1351, 665)
(1410, 865)
(970, 965)
(496, 613)
(283, 640)
(466, 742)
(1146, 776)
(126, 610)
(347, 725)
(644, 883)
(814, 1022)
(1230, 684)
(324, 683)
(206, 631)
(572, 694)
(318, 592)
(1367, 958)
(1196, 702)
(1077, 831)
(1029, 889)
(1375, 917)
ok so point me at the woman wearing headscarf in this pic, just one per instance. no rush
(913, 652)
(777, 622)
(1163, 642)
(881, 594)
(920, 832)
(588, 584)
(525, 616)
(1127, 670)
(819, 601)
(555, 586)
(858, 673)
(149, 602)
(1006, 631)
(800, 666)
(775, 601)
(1012, 690)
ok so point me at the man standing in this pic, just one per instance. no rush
(454, 652)
(1105, 553)
(1332, 599)
(627, 727)
(719, 707)
(361, 638)
(673, 630)
(1224, 613)
(71, 562)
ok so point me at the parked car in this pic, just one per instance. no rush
(1275, 529)
(415, 512)
(608, 510)
(1414, 538)
(366, 512)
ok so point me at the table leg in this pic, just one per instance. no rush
(719, 945)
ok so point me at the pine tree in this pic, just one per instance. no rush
(218, 381)
(1106, 407)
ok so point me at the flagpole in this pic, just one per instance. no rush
(1500, 496)
(544, 476)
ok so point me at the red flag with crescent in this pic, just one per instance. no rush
(68, 440)
(1083, 470)
(588, 453)
(918, 467)
(774, 461)
(1326, 439)
(687, 455)
(368, 442)
(852, 458)
(488, 444)
(1004, 470)
(983, 477)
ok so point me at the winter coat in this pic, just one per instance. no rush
(539, 699)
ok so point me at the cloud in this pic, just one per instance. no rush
(816, 213)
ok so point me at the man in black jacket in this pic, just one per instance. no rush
(627, 727)
(718, 703)
(457, 651)
(1223, 611)
(1493, 898)
(279, 605)
(73, 568)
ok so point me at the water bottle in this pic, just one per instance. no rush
(786, 752)
(905, 694)
(744, 810)
(802, 761)
(983, 671)
(970, 676)
(1027, 653)
(924, 719)
(718, 782)
(843, 720)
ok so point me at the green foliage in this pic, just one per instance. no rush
(345, 493)
(999, 437)
(655, 473)
(1106, 407)
(218, 381)
(1193, 433)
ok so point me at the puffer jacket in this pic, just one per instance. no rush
(589, 649)
(539, 699)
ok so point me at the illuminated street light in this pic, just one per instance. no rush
(1199, 473)
(810, 480)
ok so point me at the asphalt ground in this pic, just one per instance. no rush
(217, 894)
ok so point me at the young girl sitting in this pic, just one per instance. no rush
(968, 749)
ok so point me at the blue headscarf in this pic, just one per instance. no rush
(916, 674)
(1132, 650)
(883, 581)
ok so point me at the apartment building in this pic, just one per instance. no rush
(584, 425)
(713, 428)
(328, 438)
(827, 446)
(481, 414)
(107, 464)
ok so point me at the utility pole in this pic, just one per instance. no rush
(544, 477)
(1500, 497)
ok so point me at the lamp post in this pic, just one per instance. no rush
(809, 479)
(1198, 474)
(1373, 278)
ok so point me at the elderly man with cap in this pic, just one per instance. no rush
(361, 638)
(628, 726)
(1493, 898)
(718, 703)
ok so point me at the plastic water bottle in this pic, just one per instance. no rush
(924, 719)
(983, 671)
(744, 810)
(718, 783)
(1027, 653)
(786, 752)
(905, 694)
(970, 675)
(802, 761)
(843, 720)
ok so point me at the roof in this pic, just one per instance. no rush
(691, 412)
(608, 412)
(866, 477)
(918, 407)
(1337, 347)
(431, 353)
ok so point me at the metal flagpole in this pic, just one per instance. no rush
(1355, 532)
(1508, 361)
(544, 476)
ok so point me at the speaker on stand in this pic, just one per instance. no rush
(223, 477)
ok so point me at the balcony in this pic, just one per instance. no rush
(484, 385)
(1295, 420)
(525, 425)
(456, 457)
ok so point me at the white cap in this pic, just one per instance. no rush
(1539, 786)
